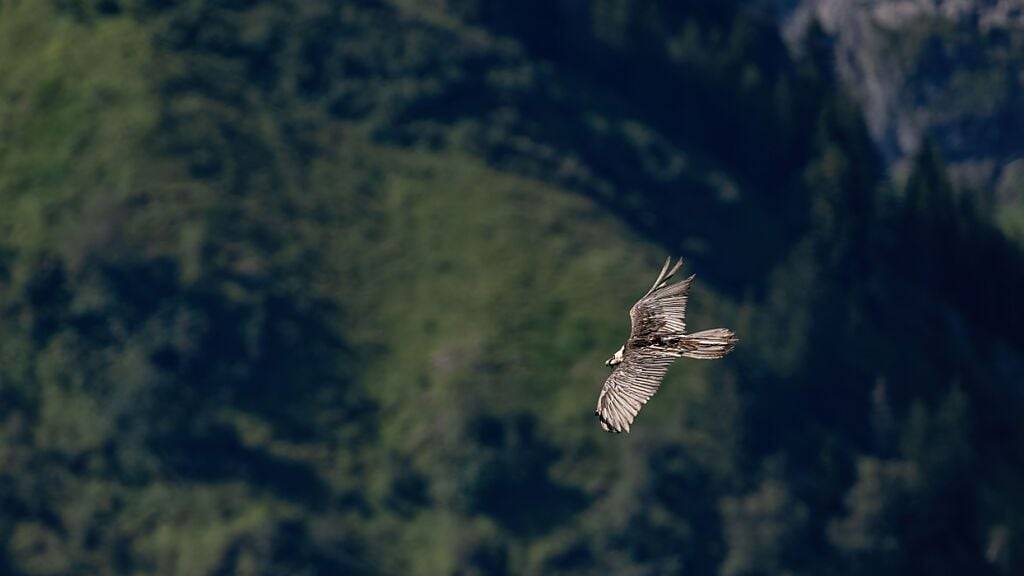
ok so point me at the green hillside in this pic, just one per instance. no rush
(327, 287)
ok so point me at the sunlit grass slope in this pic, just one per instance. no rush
(489, 294)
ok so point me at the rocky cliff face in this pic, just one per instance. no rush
(946, 70)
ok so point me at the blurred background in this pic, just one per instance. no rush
(325, 287)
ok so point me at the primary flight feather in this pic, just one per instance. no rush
(657, 337)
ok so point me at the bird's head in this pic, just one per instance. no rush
(616, 359)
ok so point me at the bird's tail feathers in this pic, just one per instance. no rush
(708, 344)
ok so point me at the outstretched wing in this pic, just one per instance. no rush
(630, 385)
(662, 311)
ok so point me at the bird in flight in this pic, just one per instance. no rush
(657, 336)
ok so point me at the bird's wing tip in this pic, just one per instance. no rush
(608, 426)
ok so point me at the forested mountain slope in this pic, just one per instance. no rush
(934, 71)
(326, 287)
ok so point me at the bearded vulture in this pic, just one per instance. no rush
(657, 337)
